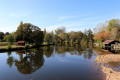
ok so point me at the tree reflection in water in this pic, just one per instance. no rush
(10, 60)
(48, 51)
(30, 63)
(74, 50)
(31, 60)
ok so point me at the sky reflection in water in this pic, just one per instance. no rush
(50, 63)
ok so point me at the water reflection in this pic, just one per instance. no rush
(31, 60)
(112, 50)
(10, 60)
(114, 64)
(73, 50)
(48, 51)
(54, 62)
(30, 63)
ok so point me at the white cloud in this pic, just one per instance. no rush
(8, 29)
(71, 17)
(52, 28)
(79, 25)
(67, 17)
(68, 28)
(17, 15)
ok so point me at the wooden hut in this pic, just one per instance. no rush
(109, 43)
(116, 47)
(21, 43)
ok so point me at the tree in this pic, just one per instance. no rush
(83, 42)
(48, 38)
(114, 34)
(37, 37)
(44, 31)
(61, 29)
(29, 33)
(59, 34)
(75, 36)
(80, 36)
(63, 36)
(1, 35)
(72, 36)
(109, 31)
(66, 37)
(56, 39)
(9, 38)
(90, 35)
(7, 33)
(19, 32)
(113, 23)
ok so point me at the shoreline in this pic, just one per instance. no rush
(21, 48)
(25, 48)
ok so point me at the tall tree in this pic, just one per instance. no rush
(48, 38)
(61, 29)
(90, 38)
(44, 31)
(109, 30)
(29, 33)
(9, 38)
(1, 35)
(90, 35)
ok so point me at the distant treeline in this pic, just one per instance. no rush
(61, 36)
(34, 35)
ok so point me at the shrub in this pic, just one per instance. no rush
(9, 47)
(27, 46)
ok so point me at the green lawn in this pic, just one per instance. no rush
(4, 45)
(12, 46)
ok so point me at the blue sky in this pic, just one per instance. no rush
(75, 15)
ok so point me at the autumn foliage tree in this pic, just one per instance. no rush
(108, 30)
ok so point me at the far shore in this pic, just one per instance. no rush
(16, 48)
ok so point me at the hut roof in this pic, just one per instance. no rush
(21, 42)
(108, 41)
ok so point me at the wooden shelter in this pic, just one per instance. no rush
(109, 43)
(21, 43)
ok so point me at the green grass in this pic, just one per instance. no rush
(2, 47)
(3, 43)
(5, 46)
(6, 43)
(12, 46)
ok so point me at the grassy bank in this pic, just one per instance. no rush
(4, 46)
(11, 48)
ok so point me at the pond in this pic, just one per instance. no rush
(51, 63)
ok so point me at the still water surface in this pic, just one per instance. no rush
(51, 63)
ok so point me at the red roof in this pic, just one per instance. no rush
(21, 42)
(108, 41)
